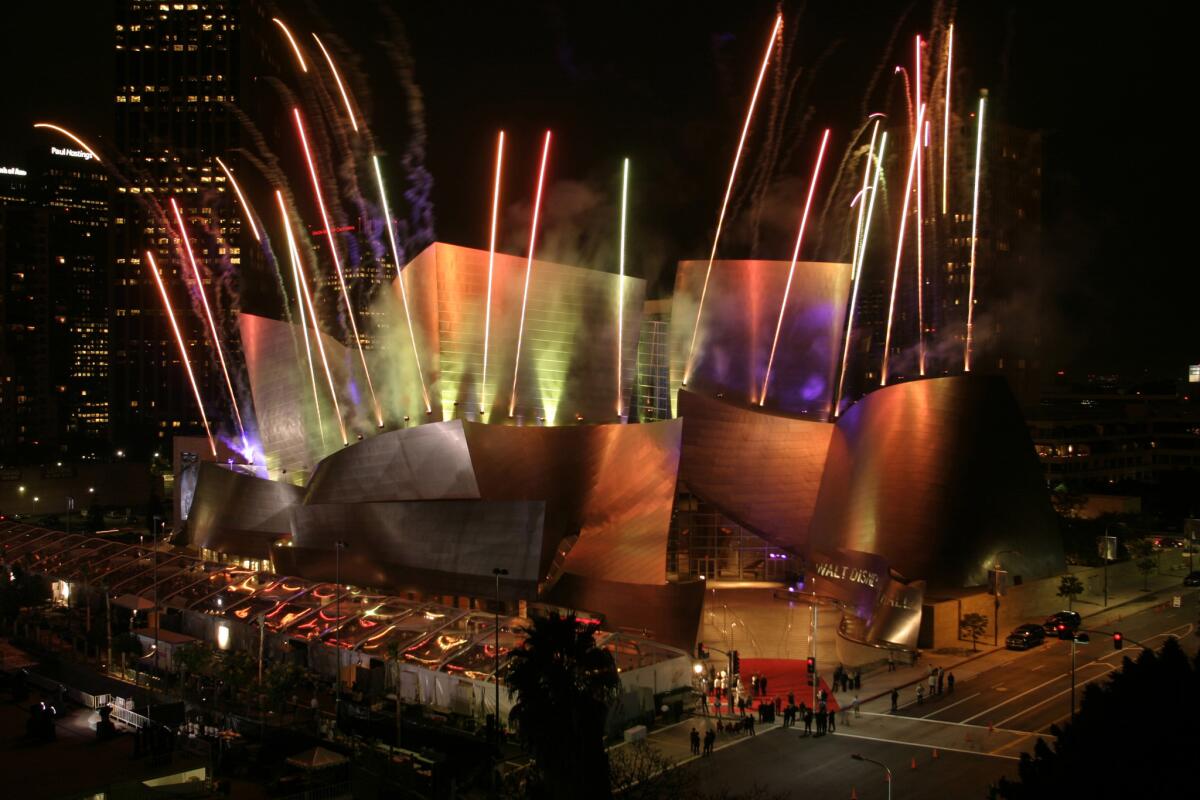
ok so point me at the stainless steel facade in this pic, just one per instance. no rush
(939, 477)
(737, 327)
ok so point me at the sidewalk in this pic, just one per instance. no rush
(966, 664)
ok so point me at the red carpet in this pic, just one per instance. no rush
(784, 675)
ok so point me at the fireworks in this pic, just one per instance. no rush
(487, 324)
(304, 299)
(183, 356)
(338, 79)
(737, 157)
(70, 136)
(812, 187)
(946, 117)
(208, 315)
(919, 132)
(387, 216)
(974, 239)
(337, 264)
(249, 212)
(856, 266)
(537, 205)
(292, 41)
(908, 188)
(621, 288)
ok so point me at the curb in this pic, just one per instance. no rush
(955, 665)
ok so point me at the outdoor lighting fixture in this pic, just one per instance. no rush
(223, 637)
(698, 668)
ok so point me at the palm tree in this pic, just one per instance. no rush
(564, 685)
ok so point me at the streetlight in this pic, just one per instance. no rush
(996, 594)
(338, 547)
(498, 572)
(1077, 637)
(860, 757)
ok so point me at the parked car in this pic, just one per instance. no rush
(1062, 624)
(1192, 579)
(1024, 637)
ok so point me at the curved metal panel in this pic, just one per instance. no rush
(668, 613)
(760, 469)
(428, 462)
(939, 476)
(741, 311)
(238, 513)
(611, 485)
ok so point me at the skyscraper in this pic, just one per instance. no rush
(177, 76)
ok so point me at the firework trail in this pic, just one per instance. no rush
(908, 188)
(337, 264)
(537, 204)
(187, 365)
(687, 373)
(974, 239)
(212, 325)
(341, 88)
(862, 195)
(292, 41)
(295, 256)
(946, 118)
(621, 288)
(70, 136)
(812, 187)
(487, 324)
(920, 146)
(246, 209)
(387, 216)
(856, 268)
(305, 300)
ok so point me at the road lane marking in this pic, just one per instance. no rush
(927, 746)
(1017, 697)
(952, 705)
(944, 722)
(1057, 695)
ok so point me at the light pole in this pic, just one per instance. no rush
(70, 508)
(338, 547)
(498, 572)
(860, 757)
(1078, 637)
(816, 661)
(996, 594)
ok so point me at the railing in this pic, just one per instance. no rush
(332, 792)
(129, 717)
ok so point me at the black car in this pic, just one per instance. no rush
(1062, 624)
(1024, 637)
(1192, 579)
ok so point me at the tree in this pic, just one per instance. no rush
(1146, 565)
(564, 685)
(1070, 587)
(973, 625)
(193, 660)
(1143, 551)
(1087, 760)
(280, 678)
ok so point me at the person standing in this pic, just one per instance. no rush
(695, 738)
(920, 694)
(808, 720)
(857, 679)
(717, 703)
(950, 683)
(753, 685)
(710, 736)
(891, 661)
(932, 682)
(762, 684)
(704, 703)
(895, 699)
(791, 698)
(856, 706)
(750, 724)
(941, 680)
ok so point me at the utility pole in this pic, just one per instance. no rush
(156, 642)
(338, 546)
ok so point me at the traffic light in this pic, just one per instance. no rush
(1118, 641)
(811, 664)
(1062, 631)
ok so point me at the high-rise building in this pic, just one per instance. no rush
(177, 78)
(54, 253)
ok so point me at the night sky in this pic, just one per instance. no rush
(666, 84)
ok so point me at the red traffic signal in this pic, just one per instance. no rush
(1118, 641)
(811, 664)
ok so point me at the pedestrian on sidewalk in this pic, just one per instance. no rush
(857, 679)
(778, 704)
(808, 720)
(791, 698)
(717, 704)
(820, 723)
(762, 685)
(831, 722)
(855, 705)
(950, 683)
(710, 736)
(932, 682)
(704, 703)
(891, 661)
(895, 699)
(695, 738)
(750, 724)
(754, 684)
(941, 680)
(920, 694)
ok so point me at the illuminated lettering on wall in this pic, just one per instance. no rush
(13, 171)
(67, 151)
(847, 573)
